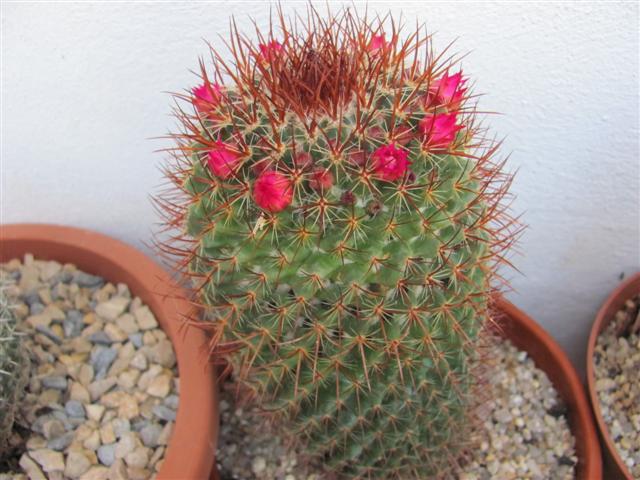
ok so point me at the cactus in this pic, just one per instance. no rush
(14, 367)
(342, 214)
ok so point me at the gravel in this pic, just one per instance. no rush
(617, 363)
(525, 433)
(93, 347)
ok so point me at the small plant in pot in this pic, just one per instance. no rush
(101, 400)
(613, 358)
(343, 215)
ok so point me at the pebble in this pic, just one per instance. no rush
(49, 460)
(118, 471)
(94, 412)
(136, 339)
(138, 458)
(164, 413)
(53, 428)
(172, 402)
(79, 393)
(77, 464)
(121, 426)
(145, 319)
(97, 472)
(62, 442)
(160, 386)
(73, 324)
(74, 408)
(86, 280)
(162, 353)
(31, 468)
(112, 309)
(127, 443)
(100, 387)
(101, 359)
(128, 379)
(101, 338)
(54, 312)
(107, 454)
(92, 442)
(116, 334)
(39, 320)
(107, 435)
(163, 439)
(50, 334)
(85, 375)
(56, 382)
(96, 352)
(139, 361)
(150, 434)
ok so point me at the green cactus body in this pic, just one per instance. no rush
(349, 295)
(14, 368)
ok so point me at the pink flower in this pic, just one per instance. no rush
(390, 163)
(448, 89)
(321, 179)
(440, 130)
(206, 96)
(272, 191)
(376, 44)
(223, 160)
(270, 51)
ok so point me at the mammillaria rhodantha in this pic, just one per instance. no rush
(341, 215)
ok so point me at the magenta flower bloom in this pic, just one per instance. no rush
(223, 160)
(377, 43)
(440, 130)
(448, 89)
(206, 96)
(272, 191)
(390, 163)
(270, 51)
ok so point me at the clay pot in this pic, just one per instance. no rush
(527, 335)
(190, 454)
(614, 466)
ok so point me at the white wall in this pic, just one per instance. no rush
(82, 95)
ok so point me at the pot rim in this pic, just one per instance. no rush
(191, 449)
(528, 335)
(604, 316)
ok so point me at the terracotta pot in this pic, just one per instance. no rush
(527, 335)
(614, 466)
(190, 454)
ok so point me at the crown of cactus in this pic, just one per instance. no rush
(342, 215)
(14, 367)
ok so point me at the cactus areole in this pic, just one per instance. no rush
(340, 211)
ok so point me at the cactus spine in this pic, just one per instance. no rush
(14, 367)
(342, 217)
